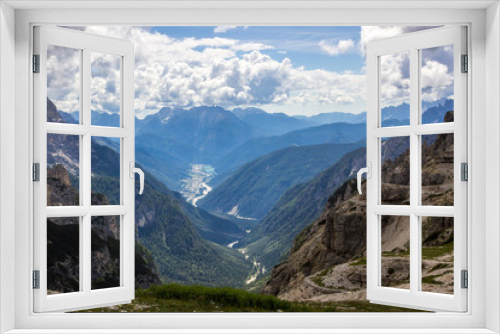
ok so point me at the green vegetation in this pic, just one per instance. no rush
(359, 262)
(271, 240)
(182, 298)
(258, 185)
(433, 252)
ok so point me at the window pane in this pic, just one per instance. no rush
(395, 231)
(63, 170)
(395, 173)
(437, 254)
(63, 84)
(437, 83)
(63, 255)
(105, 171)
(105, 252)
(395, 89)
(105, 89)
(437, 169)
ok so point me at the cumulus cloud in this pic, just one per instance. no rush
(212, 71)
(436, 68)
(223, 29)
(63, 77)
(335, 48)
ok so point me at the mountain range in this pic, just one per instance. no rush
(166, 225)
(335, 117)
(270, 241)
(254, 188)
(327, 259)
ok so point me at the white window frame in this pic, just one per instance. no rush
(484, 101)
(85, 43)
(414, 43)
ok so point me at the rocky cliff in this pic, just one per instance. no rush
(63, 243)
(327, 260)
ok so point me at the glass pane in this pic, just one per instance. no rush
(395, 173)
(437, 169)
(63, 84)
(437, 254)
(63, 170)
(63, 255)
(437, 84)
(395, 232)
(105, 89)
(105, 171)
(105, 252)
(395, 89)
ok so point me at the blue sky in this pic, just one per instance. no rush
(295, 70)
(300, 44)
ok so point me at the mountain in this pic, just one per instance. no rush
(163, 223)
(327, 260)
(254, 188)
(337, 133)
(210, 131)
(298, 207)
(271, 124)
(63, 238)
(169, 141)
(335, 117)
(437, 113)
(179, 251)
(400, 112)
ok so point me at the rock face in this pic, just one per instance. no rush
(63, 244)
(328, 258)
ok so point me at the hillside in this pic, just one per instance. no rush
(162, 219)
(337, 133)
(63, 250)
(327, 260)
(299, 206)
(254, 188)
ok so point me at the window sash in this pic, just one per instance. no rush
(413, 298)
(86, 297)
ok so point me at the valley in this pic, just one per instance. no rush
(251, 215)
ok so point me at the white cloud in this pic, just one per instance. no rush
(437, 75)
(223, 29)
(335, 48)
(215, 71)
(437, 82)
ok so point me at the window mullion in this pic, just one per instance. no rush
(414, 171)
(86, 239)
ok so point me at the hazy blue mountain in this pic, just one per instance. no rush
(210, 131)
(169, 227)
(271, 124)
(337, 133)
(335, 117)
(400, 112)
(436, 113)
(254, 188)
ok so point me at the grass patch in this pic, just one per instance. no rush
(193, 298)
(431, 279)
(317, 280)
(433, 252)
(360, 262)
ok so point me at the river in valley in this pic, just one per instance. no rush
(196, 186)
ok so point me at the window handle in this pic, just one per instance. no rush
(368, 171)
(139, 171)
